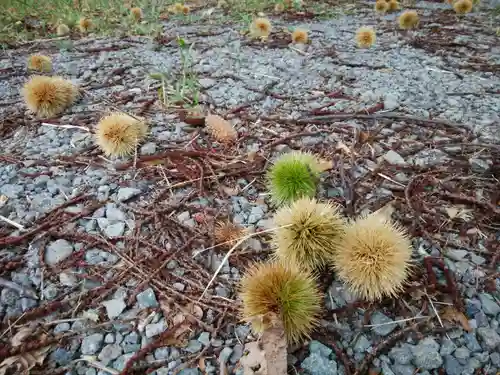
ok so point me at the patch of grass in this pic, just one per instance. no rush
(31, 19)
(182, 88)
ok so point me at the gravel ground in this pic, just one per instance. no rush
(106, 258)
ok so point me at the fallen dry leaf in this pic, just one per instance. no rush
(343, 147)
(270, 357)
(20, 337)
(24, 362)
(457, 212)
(451, 314)
(325, 165)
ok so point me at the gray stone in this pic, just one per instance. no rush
(236, 355)
(391, 101)
(114, 307)
(362, 344)
(57, 251)
(403, 369)
(256, 214)
(114, 230)
(451, 365)
(194, 346)
(131, 338)
(109, 339)
(456, 254)
(242, 331)
(426, 355)
(130, 348)
(386, 370)
(462, 355)
(147, 298)
(490, 307)
(490, 338)
(114, 213)
(62, 327)
(155, 329)
(189, 371)
(401, 355)
(448, 347)
(184, 216)
(162, 353)
(109, 353)
(204, 338)
(476, 259)
(11, 191)
(92, 344)
(62, 356)
(317, 364)
(319, 348)
(495, 359)
(179, 286)
(121, 361)
(27, 304)
(148, 148)
(127, 193)
(225, 354)
(380, 318)
(393, 157)
(479, 165)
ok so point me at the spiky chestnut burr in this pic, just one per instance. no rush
(292, 176)
(374, 258)
(260, 27)
(300, 36)
(408, 20)
(47, 97)
(365, 37)
(308, 233)
(118, 134)
(462, 6)
(281, 289)
(40, 63)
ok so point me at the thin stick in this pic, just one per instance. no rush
(13, 223)
(226, 257)
(395, 321)
(241, 238)
(84, 128)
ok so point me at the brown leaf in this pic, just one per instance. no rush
(201, 364)
(21, 336)
(325, 165)
(271, 359)
(451, 314)
(24, 361)
(196, 311)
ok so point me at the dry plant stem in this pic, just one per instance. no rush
(363, 368)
